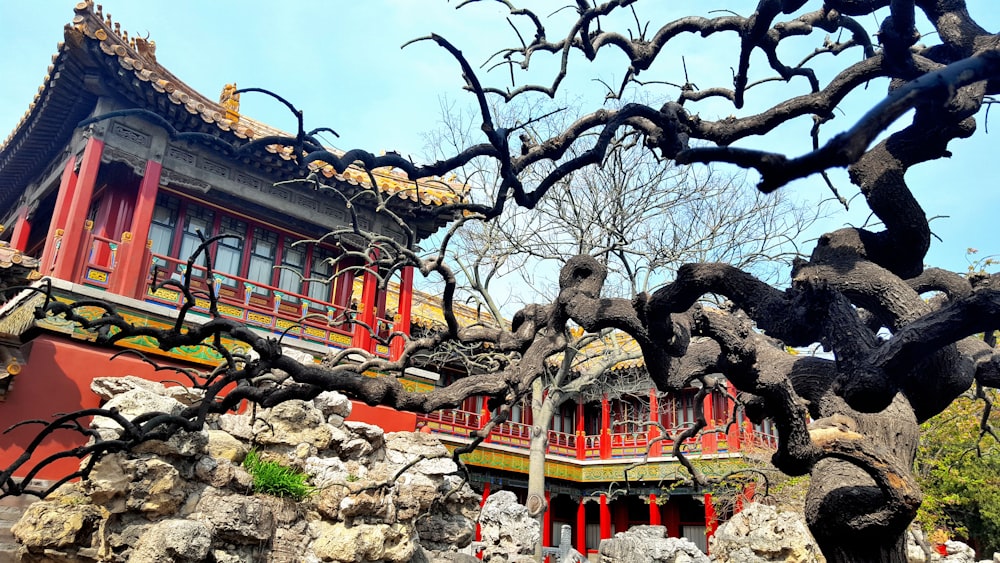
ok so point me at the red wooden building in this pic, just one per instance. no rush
(110, 207)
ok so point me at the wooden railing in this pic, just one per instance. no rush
(255, 303)
(587, 446)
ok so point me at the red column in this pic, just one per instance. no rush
(64, 265)
(484, 419)
(366, 314)
(654, 511)
(403, 312)
(605, 518)
(709, 412)
(479, 532)
(130, 275)
(581, 435)
(581, 527)
(53, 242)
(605, 440)
(732, 432)
(22, 228)
(711, 521)
(653, 432)
(547, 521)
(709, 439)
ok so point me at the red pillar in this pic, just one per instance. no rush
(605, 439)
(129, 276)
(547, 521)
(654, 511)
(581, 527)
(581, 435)
(653, 431)
(605, 518)
(711, 521)
(484, 419)
(362, 337)
(54, 236)
(479, 532)
(64, 265)
(22, 228)
(733, 431)
(403, 312)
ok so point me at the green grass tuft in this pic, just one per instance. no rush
(272, 478)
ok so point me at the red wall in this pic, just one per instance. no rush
(388, 419)
(56, 379)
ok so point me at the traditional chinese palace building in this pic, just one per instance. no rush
(107, 208)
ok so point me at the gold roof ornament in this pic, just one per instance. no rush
(230, 100)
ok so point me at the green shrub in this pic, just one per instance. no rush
(272, 478)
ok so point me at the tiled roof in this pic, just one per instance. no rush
(16, 268)
(137, 56)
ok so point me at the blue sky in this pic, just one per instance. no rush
(341, 63)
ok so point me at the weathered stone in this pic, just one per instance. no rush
(108, 387)
(650, 544)
(414, 500)
(185, 395)
(326, 471)
(293, 423)
(404, 447)
(331, 403)
(108, 483)
(223, 445)
(239, 425)
(506, 528)
(216, 472)
(370, 504)
(760, 534)
(443, 530)
(298, 355)
(424, 555)
(133, 403)
(236, 518)
(181, 444)
(157, 488)
(364, 542)
(178, 540)
(56, 525)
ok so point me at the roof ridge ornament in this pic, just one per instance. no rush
(230, 100)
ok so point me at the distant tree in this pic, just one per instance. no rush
(958, 468)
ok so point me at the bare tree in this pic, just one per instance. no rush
(641, 218)
(898, 359)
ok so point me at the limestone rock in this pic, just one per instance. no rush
(506, 528)
(108, 483)
(134, 402)
(333, 403)
(293, 423)
(364, 542)
(178, 540)
(108, 387)
(222, 445)
(761, 534)
(650, 544)
(182, 444)
(157, 489)
(235, 518)
(236, 425)
(54, 524)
